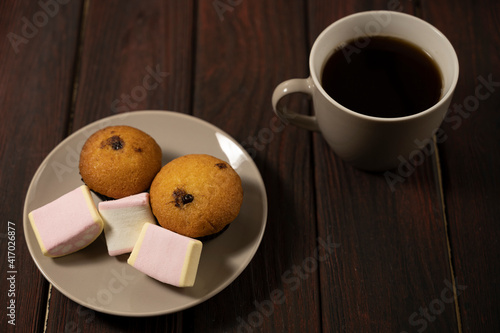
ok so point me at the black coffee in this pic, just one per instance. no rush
(382, 77)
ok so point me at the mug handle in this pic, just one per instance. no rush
(289, 87)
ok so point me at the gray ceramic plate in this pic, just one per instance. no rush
(107, 284)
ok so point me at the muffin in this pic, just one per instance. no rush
(119, 161)
(196, 195)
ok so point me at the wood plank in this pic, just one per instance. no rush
(471, 158)
(388, 265)
(120, 50)
(35, 80)
(122, 41)
(260, 44)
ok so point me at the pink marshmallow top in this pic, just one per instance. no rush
(162, 254)
(141, 199)
(63, 219)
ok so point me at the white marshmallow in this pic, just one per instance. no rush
(123, 221)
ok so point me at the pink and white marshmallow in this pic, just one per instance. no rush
(123, 221)
(67, 224)
(166, 256)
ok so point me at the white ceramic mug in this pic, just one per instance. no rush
(367, 142)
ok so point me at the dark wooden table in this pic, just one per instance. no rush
(422, 256)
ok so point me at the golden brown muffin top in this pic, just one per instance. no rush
(196, 195)
(119, 161)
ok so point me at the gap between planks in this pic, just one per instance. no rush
(69, 127)
(49, 294)
(77, 67)
(447, 234)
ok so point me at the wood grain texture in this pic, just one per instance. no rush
(122, 43)
(390, 264)
(342, 252)
(36, 75)
(471, 158)
(241, 57)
